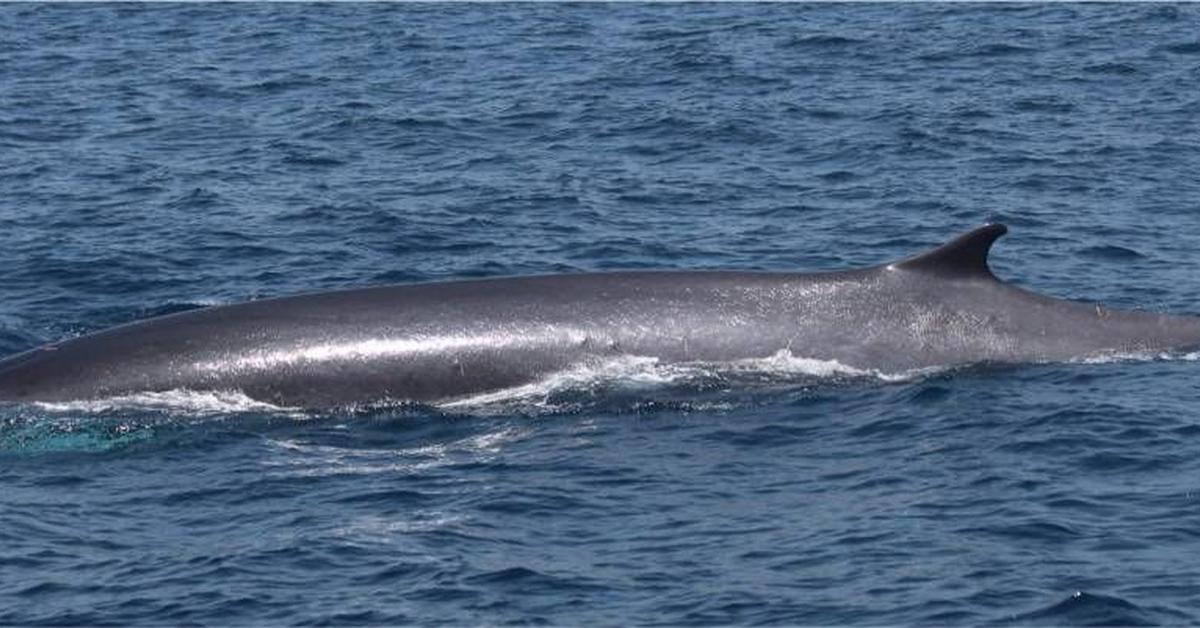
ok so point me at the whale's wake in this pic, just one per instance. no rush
(622, 376)
(622, 383)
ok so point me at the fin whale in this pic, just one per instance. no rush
(432, 342)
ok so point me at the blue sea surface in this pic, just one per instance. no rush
(157, 158)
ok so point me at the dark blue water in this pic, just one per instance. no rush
(159, 158)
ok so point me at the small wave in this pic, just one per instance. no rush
(1083, 608)
(1112, 67)
(823, 42)
(1110, 252)
(1049, 104)
(312, 160)
(1184, 48)
(985, 51)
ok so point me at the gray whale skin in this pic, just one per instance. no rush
(443, 341)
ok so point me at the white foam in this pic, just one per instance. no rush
(325, 460)
(377, 529)
(179, 400)
(784, 363)
(297, 458)
(1139, 356)
(208, 302)
(632, 371)
(641, 372)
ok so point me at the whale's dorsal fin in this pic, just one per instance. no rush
(963, 257)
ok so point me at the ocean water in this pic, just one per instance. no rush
(156, 158)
